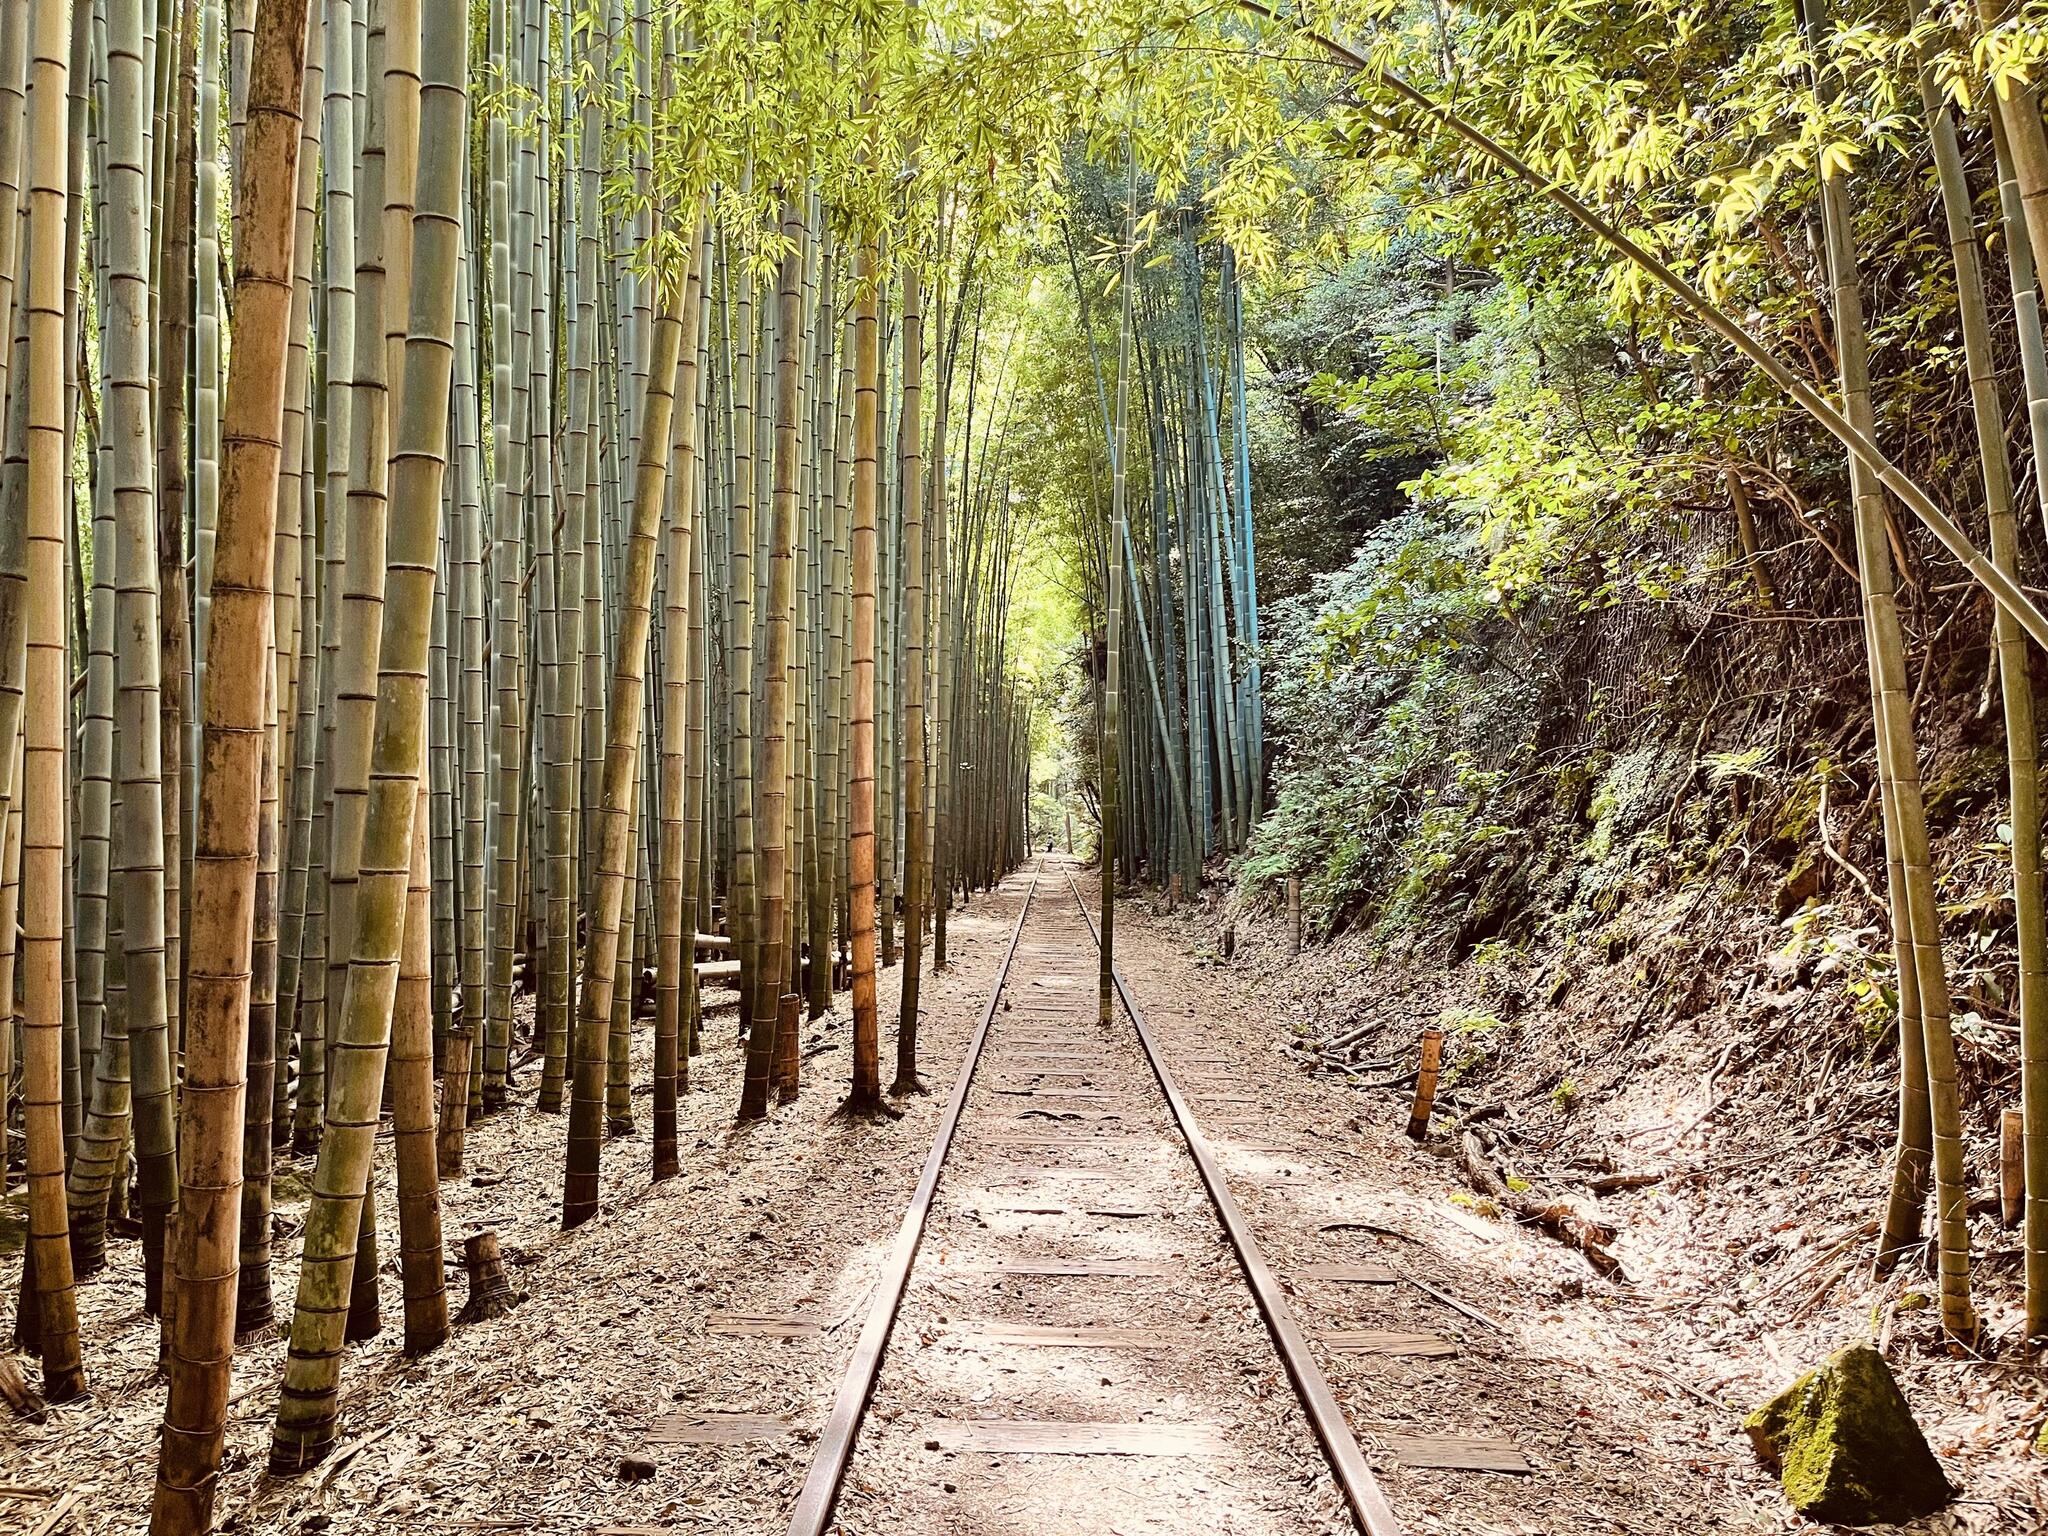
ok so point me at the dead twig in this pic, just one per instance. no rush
(348, 1453)
(1827, 843)
(1453, 1303)
(1612, 1183)
(1571, 1227)
(15, 1388)
(56, 1514)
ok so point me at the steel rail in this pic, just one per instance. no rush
(1369, 1506)
(820, 1493)
(819, 1496)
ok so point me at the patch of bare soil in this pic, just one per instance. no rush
(522, 1423)
(1736, 1147)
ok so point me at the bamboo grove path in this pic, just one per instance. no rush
(1076, 1329)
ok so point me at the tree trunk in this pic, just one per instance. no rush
(234, 719)
(625, 719)
(45, 788)
(307, 1412)
(916, 849)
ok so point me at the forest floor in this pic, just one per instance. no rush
(521, 1423)
(1751, 1127)
(1624, 1398)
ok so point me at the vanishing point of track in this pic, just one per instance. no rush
(1042, 1010)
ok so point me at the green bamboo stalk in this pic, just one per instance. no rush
(1907, 826)
(772, 809)
(624, 722)
(124, 387)
(865, 1095)
(2016, 687)
(1105, 1000)
(308, 1412)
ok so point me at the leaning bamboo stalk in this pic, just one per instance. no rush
(224, 869)
(624, 722)
(364, 558)
(675, 905)
(2016, 686)
(253, 1311)
(308, 1411)
(1861, 445)
(697, 730)
(1906, 824)
(2024, 282)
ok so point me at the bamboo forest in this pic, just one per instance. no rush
(990, 766)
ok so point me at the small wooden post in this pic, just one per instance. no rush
(1425, 1083)
(2012, 1171)
(1294, 914)
(454, 1102)
(785, 1076)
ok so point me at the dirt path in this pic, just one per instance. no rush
(1068, 1159)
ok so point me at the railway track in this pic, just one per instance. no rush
(1073, 1280)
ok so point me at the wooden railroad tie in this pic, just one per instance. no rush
(716, 1428)
(1458, 1453)
(752, 1325)
(1081, 1268)
(1025, 1173)
(1380, 1341)
(1023, 1136)
(1367, 1273)
(1036, 1337)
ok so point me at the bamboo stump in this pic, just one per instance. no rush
(490, 1293)
(1293, 915)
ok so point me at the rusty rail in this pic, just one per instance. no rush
(1369, 1506)
(812, 1514)
(814, 1503)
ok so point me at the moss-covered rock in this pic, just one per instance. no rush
(1845, 1446)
